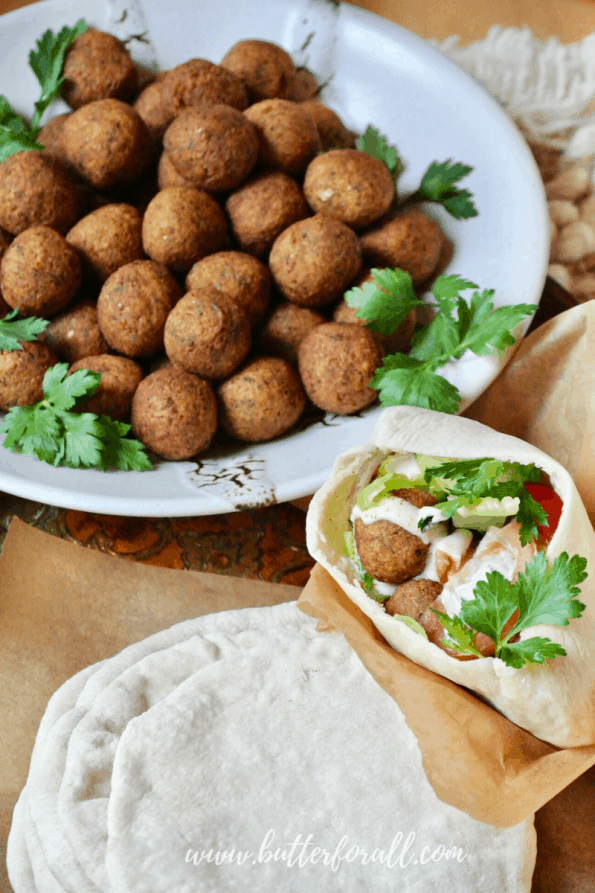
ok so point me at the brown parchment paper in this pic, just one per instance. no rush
(63, 607)
(546, 396)
(474, 758)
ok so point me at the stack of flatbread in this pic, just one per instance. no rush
(243, 751)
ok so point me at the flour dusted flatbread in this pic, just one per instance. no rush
(251, 723)
(555, 701)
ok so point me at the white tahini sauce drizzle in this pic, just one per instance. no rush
(455, 546)
(400, 512)
(461, 585)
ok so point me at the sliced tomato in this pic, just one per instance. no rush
(551, 502)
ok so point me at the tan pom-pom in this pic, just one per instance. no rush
(583, 288)
(574, 241)
(561, 275)
(562, 212)
(572, 184)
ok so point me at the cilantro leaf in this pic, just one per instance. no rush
(460, 638)
(47, 61)
(457, 326)
(63, 390)
(548, 594)
(404, 380)
(470, 480)
(49, 431)
(530, 515)
(119, 451)
(534, 651)
(15, 133)
(451, 286)
(493, 606)
(438, 185)
(386, 301)
(545, 594)
(14, 330)
(376, 145)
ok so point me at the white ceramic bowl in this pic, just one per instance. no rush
(379, 74)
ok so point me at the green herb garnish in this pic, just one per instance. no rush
(466, 482)
(438, 185)
(386, 301)
(376, 145)
(54, 434)
(46, 62)
(544, 594)
(456, 327)
(14, 330)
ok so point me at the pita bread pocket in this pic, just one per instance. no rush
(554, 700)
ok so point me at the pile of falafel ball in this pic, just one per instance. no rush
(190, 236)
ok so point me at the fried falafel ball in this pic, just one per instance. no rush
(174, 413)
(261, 401)
(51, 137)
(198, 82)
(40, 272)
(36, 191)
(207, 333)
(287, 135)
(107, 143)
(286, 328)
(436, 633)
(262, 208)
(315, 260)
(75, 333)
(243, 278)
(107, 239)
(120, 377)
(398, 342)
(349, 185)
(213, 146)
(5, 240)
(336, 363)
(331, 130)
(152, 104)
(409, 239)
(133, 306)
(304, 88)
(389, 553)
(22, 372)
(266, 69)
(97, 66)
(411, 599)
(181, 226)
(168, 174)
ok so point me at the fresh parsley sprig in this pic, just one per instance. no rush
(46, 62)
(544, 594)
(438, 182)
(438, 185)
(14, 330)
(386, 301)
(470, 481)
(373, 143)
(54, 434)
(457, 326)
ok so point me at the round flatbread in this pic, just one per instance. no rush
(192, 776)
(243, 723)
